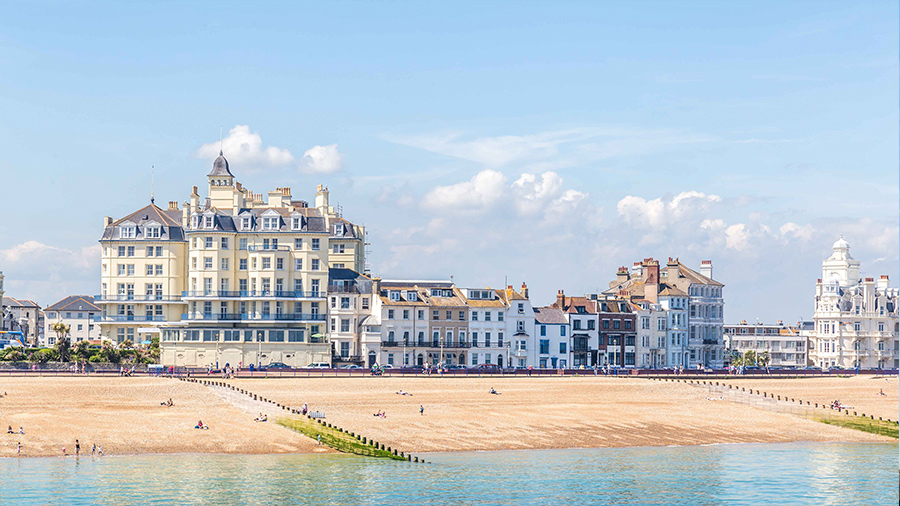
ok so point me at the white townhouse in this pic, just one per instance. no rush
(77, 312)
(519, 325)
(552, 348)
(351, 321)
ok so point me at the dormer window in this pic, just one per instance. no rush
(245, 223)
(208, 222)
(412, 296)
(295, 223)
(270, 223)
(338, 229)
(128, 232)
(394, 295)
(151, 232)
(195, 221)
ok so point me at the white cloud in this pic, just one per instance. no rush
(46, 274)
(244, 149)
(322, 160)
(658, 213)
(791, 230)
(473, 196)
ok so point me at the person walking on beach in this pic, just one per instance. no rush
(77, 448)
(421, 409)
(319, 439)
(93, 449)
(19, 449)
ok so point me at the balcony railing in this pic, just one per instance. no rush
(343, 289)
(225, 294)
(710, 341)
(141, 298)
(425, 344)
(263, 247)
(129, 318)
(254, 317)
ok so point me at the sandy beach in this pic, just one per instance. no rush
(124, 415)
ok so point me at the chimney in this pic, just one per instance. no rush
(561, 299)
(173, 205)
(107, 221)
(195, 200)
(637, 269)
(376, 287)
(524, 290)
(706, 268)
(185, 216)
(622, 275)
(672, 269)
(883, 283)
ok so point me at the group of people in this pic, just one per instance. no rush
(78, 367)
(836, 404)
(261, 418)
(126, 371)
(167, 403)
(11, 431)
(401, 392)
(200, 425)
(380, 413)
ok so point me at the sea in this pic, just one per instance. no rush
(757, 474)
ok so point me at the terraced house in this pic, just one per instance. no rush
(240, 278)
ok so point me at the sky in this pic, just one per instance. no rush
(539, 142)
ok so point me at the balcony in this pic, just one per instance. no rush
(425, 344)
(711, 341)
(129, 318)
(343, 289)
(346, 358)
(138, 298)
(278, 294)
(264, 247)
(254, 317)
(580, 349)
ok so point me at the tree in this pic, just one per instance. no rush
(764, 359)
(154, 350)
(63, 348)
(736, 358)
(126, 344)
(750, 357)
(82, 350)
(108, 353)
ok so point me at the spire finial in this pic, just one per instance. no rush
(151, 183)
(221, 142)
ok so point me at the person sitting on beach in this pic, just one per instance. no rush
(881, 392)
(21, 430)
(201, 426)
(494, 391)
(9, 430)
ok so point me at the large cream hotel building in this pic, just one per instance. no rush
(236, 278)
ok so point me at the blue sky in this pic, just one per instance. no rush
(530, 141)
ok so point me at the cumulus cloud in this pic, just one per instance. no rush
(657, 213)
(244, 148)
(47, 273)
(791, 230)
(478, 194)
(322, 160)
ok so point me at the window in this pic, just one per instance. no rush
(627, 324)
(520, 326)
(576, 324)
(279, 264)
(270, 223)
(521, 307)
(298, 243)
(562, 331)
(315, 264)
(130, 269)
(121, 251)
(267, 262)
(315, 244)
(412, 296)
(207, 263)
(315, 289)
(224, 243)
(337, 248)
(295, 223)
(606, 324)
(208, 221)
(208, 242)
(545, 346)
(856, 326)
(224, 264)
(131, 251)
(562, 347)
(394, 295)
(543, 330)
(242, 244)
(127, 232)
(242, 264)
(345, 325)
(487, 339)
(435, 315)
(462, 316)
(499, 316)
(487, 316)
(406, 314)
(149, 270)
(365, 303)
(298, 264)
(449, 315)
(474, 316)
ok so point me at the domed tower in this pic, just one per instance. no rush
(840, 266)
(222, 193)
(220, 175)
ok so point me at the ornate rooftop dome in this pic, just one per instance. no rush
(220, 167)
(841, 244)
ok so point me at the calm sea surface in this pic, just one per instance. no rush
(764, 474)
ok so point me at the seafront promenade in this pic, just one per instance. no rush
(125, 416)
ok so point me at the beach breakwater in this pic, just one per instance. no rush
(315, 427)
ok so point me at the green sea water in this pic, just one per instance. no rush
(758, 474)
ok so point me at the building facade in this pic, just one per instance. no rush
(855, 321)
(239, 279)
(784, 346)
(77, 312)
(25, 316)
(552, 335)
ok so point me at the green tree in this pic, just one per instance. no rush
(63, 349)
(61, 329)
(82, 350)
(154, 350)
(764, 358)
(750, 357)
(108, 353)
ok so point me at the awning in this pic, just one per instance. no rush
(148, 330)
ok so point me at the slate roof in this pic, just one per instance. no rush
(74, 303)
(549, 315)
(361, 282)
(13, 302)
(168, 220)
(220, 167)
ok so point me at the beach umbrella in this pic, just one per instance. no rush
(146, 342)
